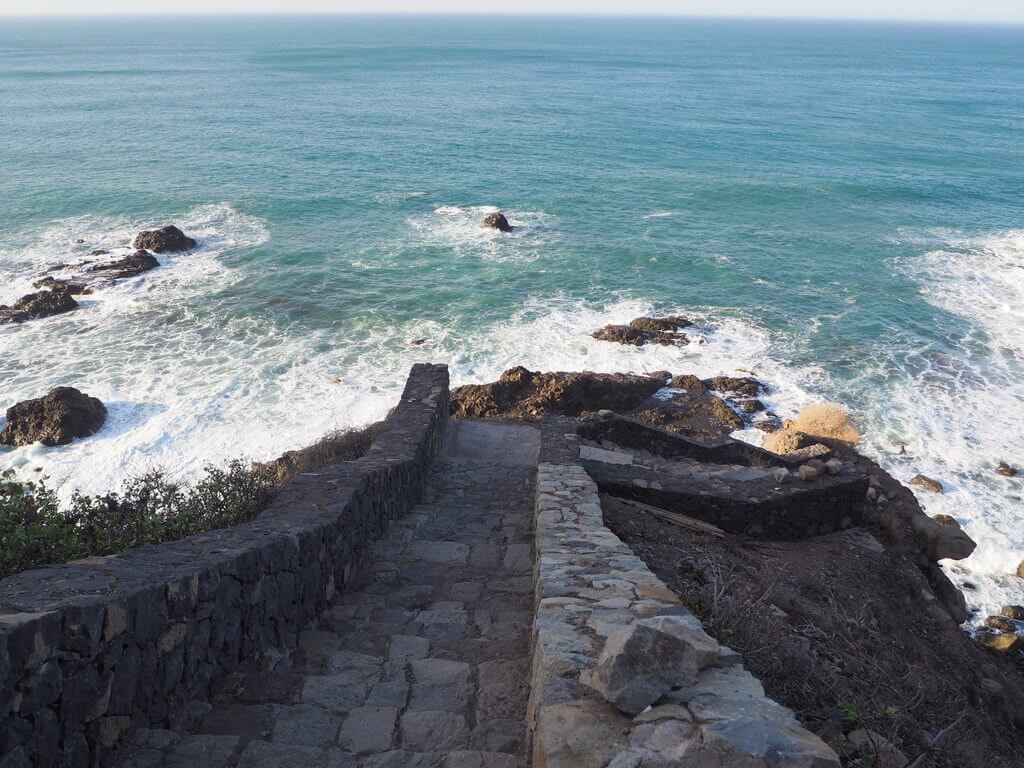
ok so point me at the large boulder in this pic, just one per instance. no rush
(37, 305)
(497, 221)
(129, 266)
(168, 238)
(59, 417)
(944, 539)
(649, 657)
(929, 484)
(520, 393)
(746, 386)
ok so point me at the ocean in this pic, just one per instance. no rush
(839, 205)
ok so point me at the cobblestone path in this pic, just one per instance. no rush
(422, 663)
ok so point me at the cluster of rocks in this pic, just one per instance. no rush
(62, 415)
(690, 407)
(647, 330)
(56, 295)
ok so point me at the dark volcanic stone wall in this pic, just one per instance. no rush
(92, 649)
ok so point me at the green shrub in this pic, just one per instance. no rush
(150, 508)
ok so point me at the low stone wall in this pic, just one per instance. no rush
(760, 507)
(93, 649)
(589, 586)
(630, 433)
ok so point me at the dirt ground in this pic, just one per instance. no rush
(847, 631)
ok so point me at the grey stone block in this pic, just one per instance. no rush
(368, 729)
(427, 731)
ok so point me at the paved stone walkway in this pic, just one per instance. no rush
(423, 662)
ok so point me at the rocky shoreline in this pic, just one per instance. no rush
(55, 295)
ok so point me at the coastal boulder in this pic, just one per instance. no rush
(944, 539)
(57, 418)
(497, 221)
(169, 238)
(56, 283)
(130, 266)
(923, 481)
(746, 386)
(1004, 469)
(37, 305)
(520, 393)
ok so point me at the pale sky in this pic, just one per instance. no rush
(924, 10)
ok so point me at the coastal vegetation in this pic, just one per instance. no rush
(37, 529)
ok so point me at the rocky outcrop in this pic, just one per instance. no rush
(166, 239)
(59, 417)
(638, 337)
(659, 324)
(944, 540)
(129, 266)
(73, 287)
(38, 305)
(743, 386)
(497, 221)
(524, 394)
(693, 411)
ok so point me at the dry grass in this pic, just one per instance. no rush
(333, 448)
(816, 420)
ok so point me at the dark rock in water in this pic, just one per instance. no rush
(56, 283)
(98, 252)
(168, 238)
(520, 393)
(79, 241)
(670, 323)
(922, 481)
(418, 342)
(1005, 470)
(55, 419)
(636, 337)
(1015, 612)
(662, 376)
(747, 386)
(695, 413)
(769, 424)
(497, 221)
(129, 266)
(37, 305)
(1020, 569)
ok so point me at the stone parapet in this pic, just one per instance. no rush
(589, 587)
(94, 649)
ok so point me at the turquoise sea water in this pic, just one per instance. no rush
(841, 205)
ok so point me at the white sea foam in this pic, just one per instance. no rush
(959, 412)
(659, 214)
(461, 230)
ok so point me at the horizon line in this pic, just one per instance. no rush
(508, 14)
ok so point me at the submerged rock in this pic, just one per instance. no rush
(520, 393)
(168, 238)
(129, 266)
(59, 417)
(923, 481)
(497, 221)
(37, 305)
